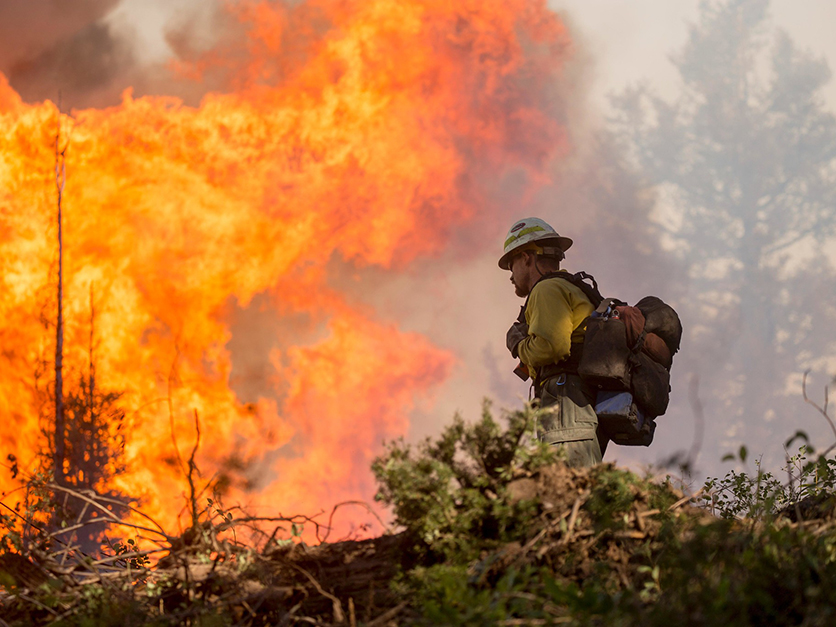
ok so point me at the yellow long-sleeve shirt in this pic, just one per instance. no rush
(555, 313)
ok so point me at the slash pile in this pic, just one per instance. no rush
(492, 530)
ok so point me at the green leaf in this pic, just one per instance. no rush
(799, 435)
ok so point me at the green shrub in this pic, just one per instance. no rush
(480, 558)
(763, 496)
(451, 494)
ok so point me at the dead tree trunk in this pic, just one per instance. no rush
(60, 180)
(91, 367)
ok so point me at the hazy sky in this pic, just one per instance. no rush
(631, 40)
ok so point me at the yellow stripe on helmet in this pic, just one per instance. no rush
(516, 236)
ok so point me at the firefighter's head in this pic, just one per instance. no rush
(532, 248)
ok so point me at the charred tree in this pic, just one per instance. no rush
(87, 438)
(60, 181)
(94, 444)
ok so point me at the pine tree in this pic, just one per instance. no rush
(744, 164)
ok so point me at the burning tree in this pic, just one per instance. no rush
(86, 440)
(743, 160)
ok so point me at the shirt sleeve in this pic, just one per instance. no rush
(550, 324)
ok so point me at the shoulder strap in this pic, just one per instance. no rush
(589, 286)
(579, 280)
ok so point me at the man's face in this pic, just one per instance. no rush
(521, 274)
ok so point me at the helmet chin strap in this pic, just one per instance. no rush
(537, 264)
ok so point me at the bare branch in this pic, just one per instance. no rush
(112, 518)
(339, 616)
(388, 615)
(822, 411)
(192, 471)
(110, 559)
(363, 504)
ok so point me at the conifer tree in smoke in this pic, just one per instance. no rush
(743, 162)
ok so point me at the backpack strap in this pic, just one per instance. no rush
(579, 280)
(589, 286)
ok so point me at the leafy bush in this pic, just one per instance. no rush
(810, 485)
(451, 495)
(730, 574)
(604, 547)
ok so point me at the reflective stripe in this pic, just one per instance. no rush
(513, 238)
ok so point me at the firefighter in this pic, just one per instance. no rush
(548, 336)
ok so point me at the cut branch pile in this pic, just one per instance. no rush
(203, 572)
(584, 521)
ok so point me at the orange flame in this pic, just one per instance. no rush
(369, 146)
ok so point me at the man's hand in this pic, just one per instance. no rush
(516, 334)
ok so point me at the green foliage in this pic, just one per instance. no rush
(611, 497)
(762, 495)
(739, 495)
(728, 574)
(94, 605)
(101, 606)
(597, 546)
(477, 566)
(447, 596)
(30, 514)
(451, 495)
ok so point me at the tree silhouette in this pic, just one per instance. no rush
(60, 182)
(743, 164)
(86, 441)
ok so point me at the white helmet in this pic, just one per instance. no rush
(533, 234)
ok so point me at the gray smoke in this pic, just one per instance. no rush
(49, 47)
(90, 51)
(29, 28)
(84, 68)
(742, 160)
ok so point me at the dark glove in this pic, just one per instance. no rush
(516, 334)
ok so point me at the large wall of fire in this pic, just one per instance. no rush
(355, 130)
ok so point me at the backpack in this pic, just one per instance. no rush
(626, 355)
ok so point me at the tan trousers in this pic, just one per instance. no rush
(570, 420)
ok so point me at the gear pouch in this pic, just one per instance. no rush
(622, 421)
(606, 360)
